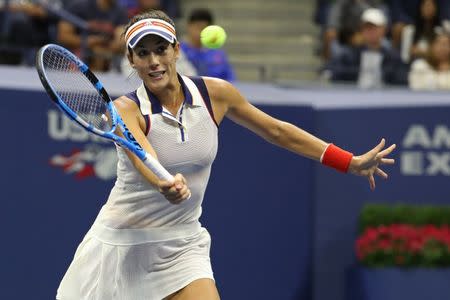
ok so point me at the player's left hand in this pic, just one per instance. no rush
(368, 164)
(176, 191)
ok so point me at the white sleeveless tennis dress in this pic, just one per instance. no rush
(141, 246)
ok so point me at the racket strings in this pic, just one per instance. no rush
(75, 90)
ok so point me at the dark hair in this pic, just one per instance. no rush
(150, 14)
(420, 29)
(201, 14)
(349, 21)
(429, 56)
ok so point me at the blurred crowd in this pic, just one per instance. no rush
(375, 43)
(371, 43)
(93, 30)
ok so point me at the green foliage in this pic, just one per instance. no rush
(374, 215)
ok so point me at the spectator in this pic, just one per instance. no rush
(433, 71)
(322, 11)
(25, 25)
(128, 4)
(416, 38)
(141, 6)
(171, 7)
(404, 12)
(343, 20)
(320, 17)
(207, 62)
(105, 21)
(373, 63)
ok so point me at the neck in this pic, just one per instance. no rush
(171, 95)
(428, 24)
(374, 46)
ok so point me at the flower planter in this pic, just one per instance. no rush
(403, 253)
(398, 284)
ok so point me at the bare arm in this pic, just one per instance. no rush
(68, 36)
(28, 8)
(128, 110)
(118, 42)
(227, 101)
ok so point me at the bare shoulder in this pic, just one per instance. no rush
(123, 103)
(129, 112)
(219, 89)
(226, 99)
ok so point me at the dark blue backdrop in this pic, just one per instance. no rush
(257, 206)
(420, 132)
(282, 227)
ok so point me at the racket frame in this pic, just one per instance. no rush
(129, 142)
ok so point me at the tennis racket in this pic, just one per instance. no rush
(81, 96)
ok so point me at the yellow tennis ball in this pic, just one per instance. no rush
(213, 37)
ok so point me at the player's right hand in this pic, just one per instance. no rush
(176, 191)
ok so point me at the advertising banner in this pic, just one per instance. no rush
(420, 176)
(56, 177)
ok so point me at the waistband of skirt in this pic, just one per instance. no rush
(143, 235)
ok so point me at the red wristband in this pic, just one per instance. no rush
(337, 158)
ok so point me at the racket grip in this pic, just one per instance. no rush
(154, 165)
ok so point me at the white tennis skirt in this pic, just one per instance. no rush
(135, 264)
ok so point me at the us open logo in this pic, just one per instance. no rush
(426, 151)
(91, 155)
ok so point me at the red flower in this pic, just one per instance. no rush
(385, 244)
(383, 230)
(402, 244)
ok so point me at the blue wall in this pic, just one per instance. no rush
(282, 227)
(259, 211)
(257, 207)
(420, 133)
(45, 212)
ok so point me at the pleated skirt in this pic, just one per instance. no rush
(136, 264)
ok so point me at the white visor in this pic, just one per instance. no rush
(150, 26)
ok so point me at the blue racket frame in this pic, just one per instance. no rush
(129, 142)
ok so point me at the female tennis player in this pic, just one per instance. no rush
(147, 242)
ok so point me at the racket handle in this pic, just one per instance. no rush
(154, 165)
